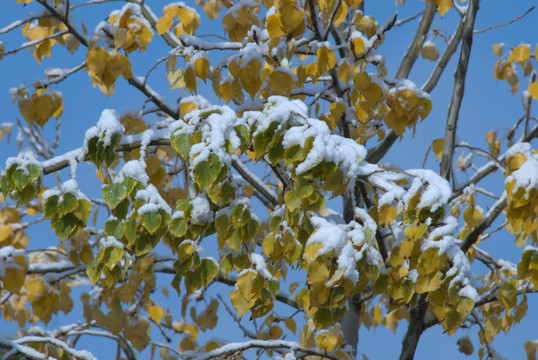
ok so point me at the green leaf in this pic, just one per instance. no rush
(113, 194)
(151, 222)
(182, 145)
(114, 228)
(34, 171)
(68, 204)
(129, 230)
(178, 227)
(262, 140)
(208, 270)
(94, 271)
(50, 209)
(65, 226)
(21, 179)
(207, 172)
(112, 256)
(193, 281)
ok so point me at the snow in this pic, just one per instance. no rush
(107, 126)
(70, 186)
(153, 199)
(111, 241)
(261, 267)
(135, 169)
(7, 253)
(201, 213)
(526, 176)
(22, 160)
(436, 193)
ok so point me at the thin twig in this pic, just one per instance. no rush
(506, 23)
(35, 42)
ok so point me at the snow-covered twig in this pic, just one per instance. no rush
(232, 348)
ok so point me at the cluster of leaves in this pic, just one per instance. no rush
(396, 246)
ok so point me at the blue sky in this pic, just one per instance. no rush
(487, 105)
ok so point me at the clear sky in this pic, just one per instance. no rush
(487, 105)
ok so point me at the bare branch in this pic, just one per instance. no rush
(18, 23)
(506, 23)
(35, 42)
(459, 87)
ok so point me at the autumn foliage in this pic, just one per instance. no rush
(232, 197)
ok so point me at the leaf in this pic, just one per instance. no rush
(5, 231)
(437, 146)
(472, 217)
(208, 270)
(176, 79)
(443, 6)
(465, 345)
(35, 289)
(533, 90)
(182, 145)
(239, 302)
(530, 349)
(280, 82)
(429, 51)
(156, 313)
(387, 213)
(207, 172)
(497, 49)
(15, 274)
(151, 221)
(326, 341)
(520, 54)
(113, 194)
(290, 324)
(191, 331)
(94, 271)
(201, 67)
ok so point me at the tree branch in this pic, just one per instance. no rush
(459, 87)
(490, 217)
(232, 348)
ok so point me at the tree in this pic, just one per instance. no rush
(274, 188)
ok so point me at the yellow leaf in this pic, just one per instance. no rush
(96, 60)
(191, 331)
(312, 250)
(514, 162)
(245, 284)
(280, 82)
(357, 45)
(156, 313)
(429, 51)
(533, 89)
(201, 67)
(190, 79)
(275, 332)
(443, 6)
(326, 58)
(531, 348)
(386, 214)
(35, 289)
(472, 217)
(326, 341)
(290, 324)
(437, 146)
(239, 302)
(497, 49)
(15, 275)
(5, 231)
(176, 79)
(520, 54)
